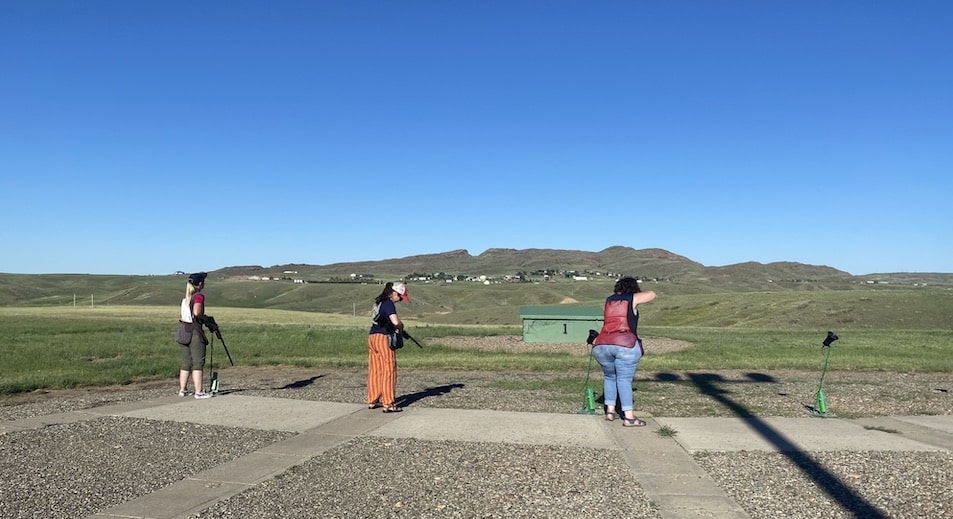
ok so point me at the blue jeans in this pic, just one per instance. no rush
(618, 367)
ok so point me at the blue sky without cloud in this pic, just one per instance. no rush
(150, 137)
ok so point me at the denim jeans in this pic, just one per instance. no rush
(618, 367)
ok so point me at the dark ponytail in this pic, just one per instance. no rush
(388, 289)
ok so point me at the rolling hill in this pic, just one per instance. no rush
(650, 263)
(450, 288)
(613, 261)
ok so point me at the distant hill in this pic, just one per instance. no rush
(757, 294)
(657, 264)
(650, 263)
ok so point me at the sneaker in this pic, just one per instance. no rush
(184, 392)
(203, 395)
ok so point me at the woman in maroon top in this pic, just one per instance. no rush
(193, 354)
(618, 348)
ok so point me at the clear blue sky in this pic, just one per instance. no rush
(150, 137)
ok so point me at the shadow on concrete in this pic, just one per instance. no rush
(407, 400)
(711, 384)
(298, 384)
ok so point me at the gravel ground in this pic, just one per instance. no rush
(721, 393)
(836, 485)
(75, 469)
(375, 477)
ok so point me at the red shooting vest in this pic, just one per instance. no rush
(620, 322)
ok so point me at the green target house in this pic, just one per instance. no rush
(559, 323)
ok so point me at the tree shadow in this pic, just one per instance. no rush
(407, 400)
(711, 384)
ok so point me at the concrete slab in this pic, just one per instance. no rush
(647, 452)
(177, 500)
(39, 422)
(499, 426)
(669, 475)
(358, 422)
(698, 507)
(305, 445)
(680, 485)
(271, 414)
(942, 423)
(784, 435)
(118, 409)
(250, 469)
(663, 462)
(932, 430)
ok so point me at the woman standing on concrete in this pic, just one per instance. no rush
(618, 348)
(382, 355)
(193, 352)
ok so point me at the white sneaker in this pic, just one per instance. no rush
(203, 395)
(184, 392)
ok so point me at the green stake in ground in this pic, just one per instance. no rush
(589, 404)
(820, 407)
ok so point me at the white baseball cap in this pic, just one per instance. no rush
(401, 290)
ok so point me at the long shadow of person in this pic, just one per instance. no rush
(406, 400)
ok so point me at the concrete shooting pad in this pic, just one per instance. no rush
(942, 423)
(270, 414)
(784, 434)
(565, 430)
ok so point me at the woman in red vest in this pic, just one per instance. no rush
(618, 348)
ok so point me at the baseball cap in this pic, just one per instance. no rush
(197, 278)
(401, 289)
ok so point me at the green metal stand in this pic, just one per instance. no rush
(589, 403)
(820, 404)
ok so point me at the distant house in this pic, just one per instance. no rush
(580, 278)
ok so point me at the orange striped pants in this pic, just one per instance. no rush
(381, 370)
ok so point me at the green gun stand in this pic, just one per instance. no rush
(820, 405)
(589, 400)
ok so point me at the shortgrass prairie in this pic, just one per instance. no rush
(67, 347)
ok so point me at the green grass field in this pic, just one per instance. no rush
(63, 346)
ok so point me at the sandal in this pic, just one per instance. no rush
(375, 405)
(392, 409)
(610, 416)
(632, 422)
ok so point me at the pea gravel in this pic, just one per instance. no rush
(377, 477)
(836, 485)
(76, 469)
